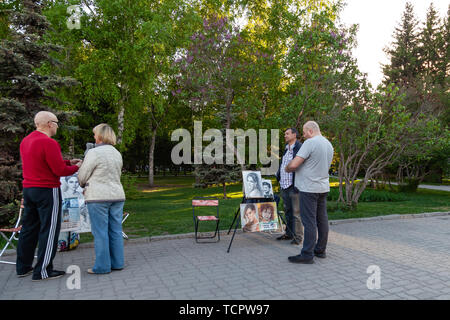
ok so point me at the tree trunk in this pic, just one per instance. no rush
(228, 126)
(151, 158)
(120, 123)
(72, 147)
(224, 190)
(341, 178)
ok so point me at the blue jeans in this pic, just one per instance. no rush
(313, 210)
(106, 227)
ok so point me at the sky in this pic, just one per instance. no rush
(377, 20)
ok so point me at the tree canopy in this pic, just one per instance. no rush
(149, 67)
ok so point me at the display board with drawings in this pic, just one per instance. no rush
(75, 215)
(255, 187)
(260, 216)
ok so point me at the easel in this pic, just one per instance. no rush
(238, 221)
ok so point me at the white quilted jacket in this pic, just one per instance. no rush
(99, 175)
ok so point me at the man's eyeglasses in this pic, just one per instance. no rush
(54, 121)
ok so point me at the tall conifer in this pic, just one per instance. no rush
(404, 54)
(23, 89)
(430, 39)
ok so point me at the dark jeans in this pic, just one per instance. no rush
(41, 223)
(291, 205)
(313, 210)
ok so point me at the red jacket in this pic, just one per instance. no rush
(42, 162)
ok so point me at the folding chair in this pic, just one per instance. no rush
(15, 230)
(206, 202)
(125, 217)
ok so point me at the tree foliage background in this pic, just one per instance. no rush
(150, 67)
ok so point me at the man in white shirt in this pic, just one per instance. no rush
(311, 166)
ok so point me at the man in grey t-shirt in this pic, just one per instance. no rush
(311, 166)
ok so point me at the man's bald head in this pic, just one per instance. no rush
(311, 129)
(46, 122)
(42, 118)
(313, 126)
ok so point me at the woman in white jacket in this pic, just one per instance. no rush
(99, 175)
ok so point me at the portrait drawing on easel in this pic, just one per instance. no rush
(267, 188)
(253, 184)
(249, 217)
(268, 218)
(73, 202)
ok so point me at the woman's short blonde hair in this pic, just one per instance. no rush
(105, 133)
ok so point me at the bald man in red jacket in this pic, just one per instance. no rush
(42, 166)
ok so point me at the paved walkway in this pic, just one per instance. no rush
(428, 186)
(413, 256)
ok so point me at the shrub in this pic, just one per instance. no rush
(411, 185)
(8, 214)
(370, 195)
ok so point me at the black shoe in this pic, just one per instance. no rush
(296, 241)
(320, 255)
(285, 237)
(115, 269)
(25, 274)
(301, 259)
(51, 275)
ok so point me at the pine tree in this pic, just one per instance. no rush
(210, 175)
(419, 68)
(444, 66)
(444, 49)
(430, 40)
(23, 90)
(404, 54)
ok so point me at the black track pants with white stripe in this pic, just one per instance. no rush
(41, 223)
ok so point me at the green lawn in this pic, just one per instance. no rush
(166, 208)
(418, 202)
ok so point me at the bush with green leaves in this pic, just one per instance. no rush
(370, 195)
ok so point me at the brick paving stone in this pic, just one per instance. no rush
(413, 255)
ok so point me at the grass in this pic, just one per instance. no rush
(419, 202)
(166, 208)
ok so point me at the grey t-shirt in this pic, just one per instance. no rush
(312, 175)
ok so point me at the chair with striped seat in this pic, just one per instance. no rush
(125, 217)
(13, 231)
(206, 202)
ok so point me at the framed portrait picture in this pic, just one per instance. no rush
(252, 184)
(70, 215)
(267, 188)
(267, 216)
(259, 217)
(249, 217)
(75, 216)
